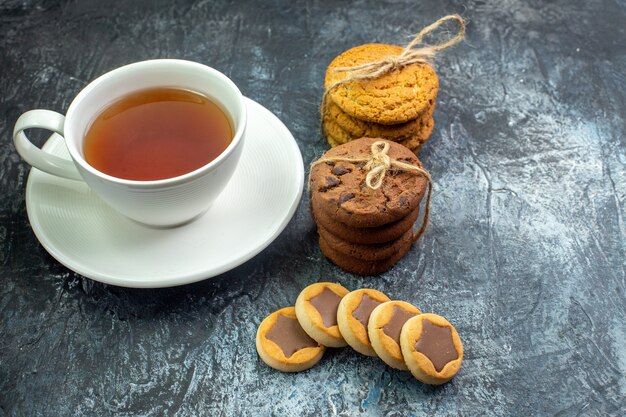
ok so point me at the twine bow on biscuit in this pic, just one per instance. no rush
(377, 164)
(412, 54)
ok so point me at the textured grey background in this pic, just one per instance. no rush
(525, 253)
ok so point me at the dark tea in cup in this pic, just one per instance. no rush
(156, 134)
(148, 138)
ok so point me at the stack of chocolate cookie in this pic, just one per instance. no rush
(397, 106)
(363, 230)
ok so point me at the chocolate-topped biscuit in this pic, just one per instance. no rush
(353, 316)
(284, 345)
(359, 266)
(393, 98)
(384, 329)
(340, 189)
(432, 348)
(376, 252)
(289, 335)
(316, 309)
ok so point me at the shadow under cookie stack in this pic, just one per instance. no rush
(397, 106)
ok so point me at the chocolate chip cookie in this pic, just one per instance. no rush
(365, 252)
(359, 266)
(339, 188)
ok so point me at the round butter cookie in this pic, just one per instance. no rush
(284, 345)
(335, 135)
(353, 315)
(415, 142)
(432, 348)
(397, 97)
(340, 136)
(340, 190)
(333, 130)
(358, 128)
(384, 329)
(316, 309)
(332, 141)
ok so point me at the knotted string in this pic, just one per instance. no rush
(412, 54)
(377, 164)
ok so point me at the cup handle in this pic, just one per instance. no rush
(52, 164)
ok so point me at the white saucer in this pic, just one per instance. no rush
(90, 238)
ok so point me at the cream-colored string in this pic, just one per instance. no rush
(411, 54)
(377, 164)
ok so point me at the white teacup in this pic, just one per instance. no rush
(167, 202)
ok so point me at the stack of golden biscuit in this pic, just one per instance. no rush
(396, 106)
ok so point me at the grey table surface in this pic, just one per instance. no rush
(525, 253)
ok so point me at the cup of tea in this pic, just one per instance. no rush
(157, 140)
